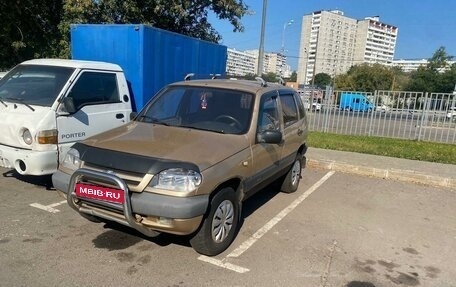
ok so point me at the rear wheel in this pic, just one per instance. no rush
(291, 181)
(220, 225)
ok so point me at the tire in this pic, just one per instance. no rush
(219, 227)
(291, 181)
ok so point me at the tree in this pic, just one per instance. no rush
(293, 77)
(366, 77)
(188, 17)
(437, 76)
(28, 30)
(322, 79)
(31, 29)
(270, 77)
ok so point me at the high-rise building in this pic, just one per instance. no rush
(375, 41)
(331, 43)
(240, 63)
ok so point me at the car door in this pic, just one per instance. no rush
(98, 107)
(266, 156)
(294, 125)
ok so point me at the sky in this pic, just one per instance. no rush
(424, 25)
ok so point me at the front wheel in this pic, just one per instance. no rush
(219, 226)
(291, 181)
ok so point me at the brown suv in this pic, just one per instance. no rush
(189, 159)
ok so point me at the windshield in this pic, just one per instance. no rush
(34, 84)
(203, 108)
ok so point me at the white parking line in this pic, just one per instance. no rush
(262, 231)
(223, 264)
(49, 208)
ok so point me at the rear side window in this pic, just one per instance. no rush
(289, 108)
(300, 105)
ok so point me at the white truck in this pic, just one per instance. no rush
(46, 105)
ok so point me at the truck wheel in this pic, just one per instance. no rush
(291, 181)
(219, 226)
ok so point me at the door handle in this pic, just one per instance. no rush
(120, 116)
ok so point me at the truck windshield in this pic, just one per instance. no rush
(203, 108)
(33, 84)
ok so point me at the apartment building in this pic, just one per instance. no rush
(412, 65)
(331, 43)
(375, 41)
(246, 62)
(240, 63)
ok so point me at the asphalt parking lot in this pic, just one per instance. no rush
(337, 230)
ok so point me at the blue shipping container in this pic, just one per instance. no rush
(151, 58)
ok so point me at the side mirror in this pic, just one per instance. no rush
(133, 115)
(270, 136)
(68, 104)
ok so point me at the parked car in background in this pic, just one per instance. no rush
(316, 105)
(451, 114)
(382, 108)
(189, 159)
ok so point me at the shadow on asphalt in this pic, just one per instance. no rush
(42, 181)
(118, 236)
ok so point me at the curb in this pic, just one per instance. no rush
(393, 174)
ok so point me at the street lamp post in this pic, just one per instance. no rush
(261, 50)
(283, 62)
(285, 25)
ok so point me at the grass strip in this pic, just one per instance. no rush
(392, 147)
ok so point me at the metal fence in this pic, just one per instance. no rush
(395, 114)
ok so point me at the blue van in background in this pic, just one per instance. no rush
(355, 102)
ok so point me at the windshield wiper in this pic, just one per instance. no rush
(202, 129)
(1, 101)
(22, 102)
(152, 120)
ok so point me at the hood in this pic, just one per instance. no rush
(16, 117)
(203, 148)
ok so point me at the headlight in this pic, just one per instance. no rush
(72, 160)
(27, 137)
(177, 179)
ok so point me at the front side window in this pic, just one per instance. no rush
(203, 108)
(268, 118)
(34, 84)
(94, 88)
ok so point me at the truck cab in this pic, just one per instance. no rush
(46, 105)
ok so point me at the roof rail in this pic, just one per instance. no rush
(281, 81)
(214, 76)
(189, 76)
(261, 81)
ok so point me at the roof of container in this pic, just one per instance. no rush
(79, 64)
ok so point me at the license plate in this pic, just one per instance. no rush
(100, 193)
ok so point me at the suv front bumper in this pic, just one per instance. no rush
(146, 212)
